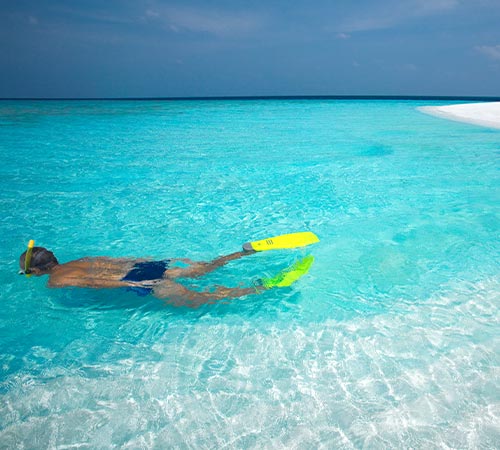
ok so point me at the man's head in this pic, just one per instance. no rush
(42, 261)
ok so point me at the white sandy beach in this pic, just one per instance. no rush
(484, 114)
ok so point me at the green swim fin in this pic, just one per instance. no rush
(288, 276)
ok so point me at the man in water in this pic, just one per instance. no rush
(140, 275)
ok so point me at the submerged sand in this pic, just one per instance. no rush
(484, 114)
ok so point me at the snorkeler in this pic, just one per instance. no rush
(158, 277)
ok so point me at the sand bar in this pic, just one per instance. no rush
(484, 114)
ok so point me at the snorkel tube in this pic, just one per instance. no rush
(27, 258)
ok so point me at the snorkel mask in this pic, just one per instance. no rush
(27, 259)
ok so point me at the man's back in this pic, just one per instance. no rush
(99, 272)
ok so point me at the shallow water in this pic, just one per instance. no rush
(390, 341)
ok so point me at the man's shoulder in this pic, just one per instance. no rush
(59, 276)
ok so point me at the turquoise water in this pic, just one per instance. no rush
(390, 341)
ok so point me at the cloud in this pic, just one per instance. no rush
(391, 14)
(152, 13)
(213, 21)
(409, 67)
(491, 51)
(424, 7)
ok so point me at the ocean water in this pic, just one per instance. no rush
(390, 341)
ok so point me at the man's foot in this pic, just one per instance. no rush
(247, 248)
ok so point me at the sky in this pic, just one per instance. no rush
(193, 48)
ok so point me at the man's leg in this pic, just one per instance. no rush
(198, 269)
(179, 295)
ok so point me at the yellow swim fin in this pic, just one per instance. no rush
(291, 240)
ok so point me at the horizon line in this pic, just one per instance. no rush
(263, 97)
